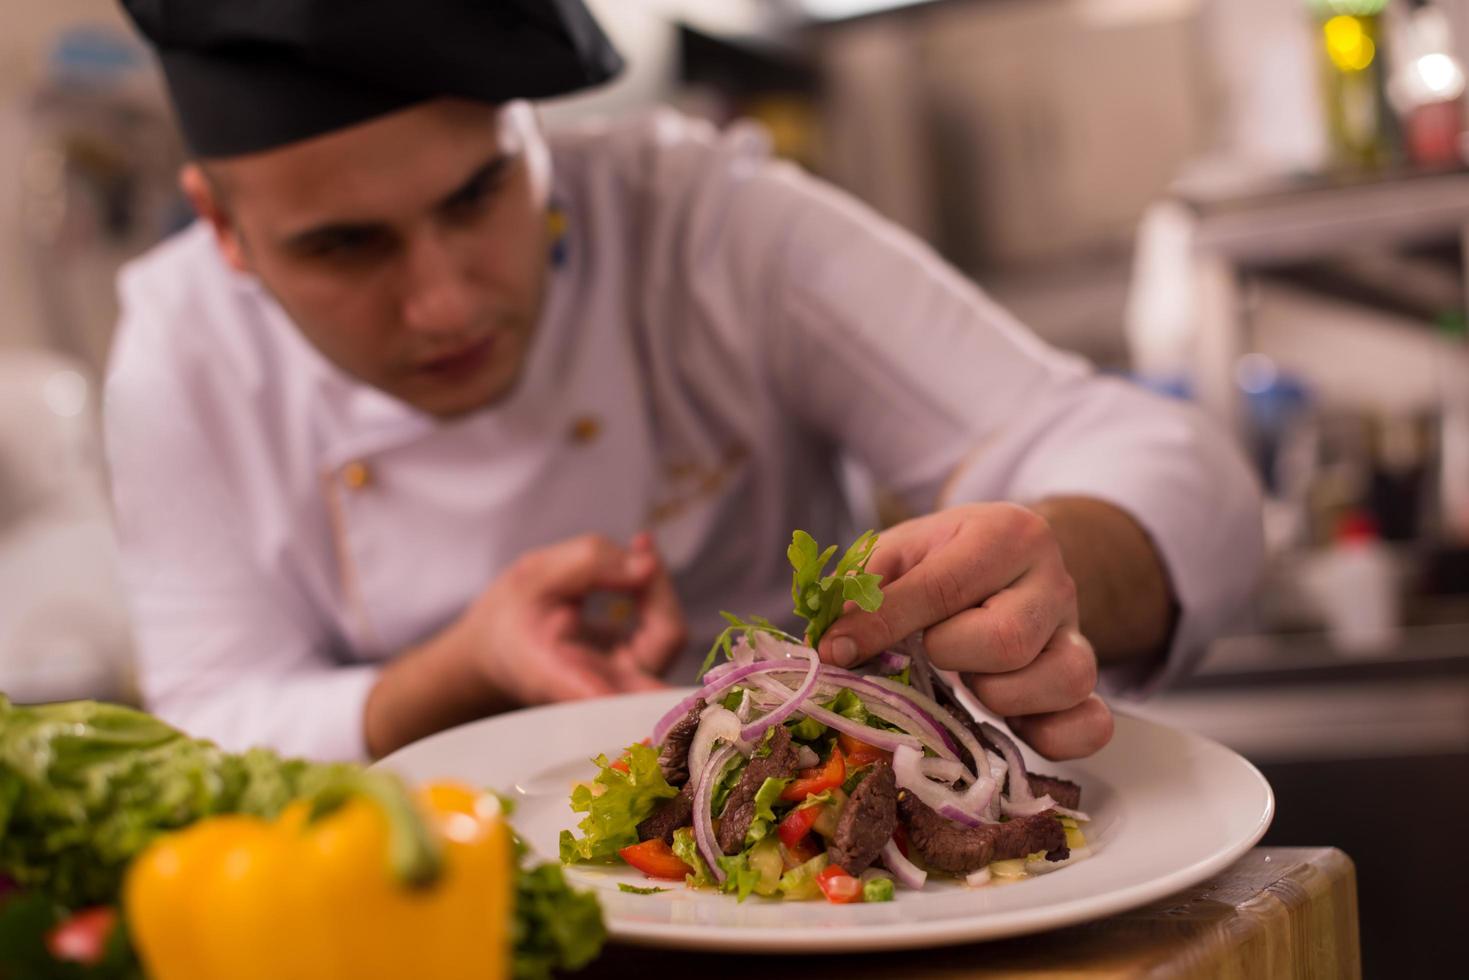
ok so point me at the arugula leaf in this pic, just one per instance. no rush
(613, 816)
(765, 798)
(741, 627)
(623, 886)
(819, 598)
(686, 848)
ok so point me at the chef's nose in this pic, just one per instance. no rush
(437, 295)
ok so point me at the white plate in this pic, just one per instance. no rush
(1168, 810)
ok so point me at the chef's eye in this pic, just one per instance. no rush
(471, 199)
(347, 243)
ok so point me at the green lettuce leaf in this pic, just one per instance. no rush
(848, 705)
(740, 879)
(725, 783)
(807, 730)
(686, 848)
(556, 928)
(626, 800)
(85, 786)
(765, 799)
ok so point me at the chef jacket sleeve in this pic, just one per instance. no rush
(875, 344)
(227, 649)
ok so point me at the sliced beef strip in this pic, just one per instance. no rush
(1063, 791)
(947, 846)
(867, 822)
(673, 753)
(669, 816)
(739, 809)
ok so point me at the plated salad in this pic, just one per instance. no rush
(790, 778)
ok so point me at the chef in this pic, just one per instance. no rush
(433, 414)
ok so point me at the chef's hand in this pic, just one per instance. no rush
(525, 641)
(533, 643)
(987, 584)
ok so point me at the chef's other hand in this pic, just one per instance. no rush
(530, 638)
(527, 640)
(987, 584)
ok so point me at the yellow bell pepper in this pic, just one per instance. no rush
(357, 883)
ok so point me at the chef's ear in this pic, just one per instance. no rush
(208, 199)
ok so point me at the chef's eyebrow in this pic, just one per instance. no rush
(480, 181)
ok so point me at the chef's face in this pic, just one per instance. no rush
(410, 250)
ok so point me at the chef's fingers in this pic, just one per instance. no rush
(580, 565)
(962, 559)
(1009, 629)
(571, 672)
(1063, 676)
(627, 676)
(661, 631)
(1071, 734)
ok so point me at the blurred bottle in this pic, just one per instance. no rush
(1354, 71)
(1427, 87)
(1354, 586)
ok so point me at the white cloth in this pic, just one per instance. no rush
(732, 326)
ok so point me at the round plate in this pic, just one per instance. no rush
(1168, 810)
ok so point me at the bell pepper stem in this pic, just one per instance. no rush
(414, 856)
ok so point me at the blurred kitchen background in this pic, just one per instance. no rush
(1259, 205)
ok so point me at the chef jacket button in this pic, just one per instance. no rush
(585, 430)
(356, 475)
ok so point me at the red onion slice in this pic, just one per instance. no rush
(778, 716)
(715, 723)
(957, 729)
(944, 770)
(963, 808)
(909, 875)
(887, 741)
(1019, 779)
(888, 705)
(1027, 808)
(976, 878)
(708, 692)
(892, 662)
(703, 804)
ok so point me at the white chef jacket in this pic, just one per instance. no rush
(721, 332)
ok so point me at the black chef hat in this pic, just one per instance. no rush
(248, 75)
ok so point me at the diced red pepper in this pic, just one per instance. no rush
(655, 859)
(817, 779)
(860, 753)
(621, 764)
(83, 937)
(804, 850)
(797, 824)
(838, 886)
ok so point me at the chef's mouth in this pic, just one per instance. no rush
(464, 361)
